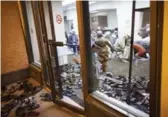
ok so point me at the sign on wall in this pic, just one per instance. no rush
(59, 19)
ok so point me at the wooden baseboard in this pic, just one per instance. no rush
(14, 76)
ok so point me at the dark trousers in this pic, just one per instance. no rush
(75, 49)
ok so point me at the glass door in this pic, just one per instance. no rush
(60, 34)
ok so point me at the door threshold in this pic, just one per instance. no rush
(71, 102)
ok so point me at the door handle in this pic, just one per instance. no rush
(57, 43)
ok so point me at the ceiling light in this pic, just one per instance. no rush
(93, 11)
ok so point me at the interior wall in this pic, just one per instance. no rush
(112, 19)
(57, 9)
(72, 16)
(164, 80)
(123, 14)
(14, 55)
(138, 24)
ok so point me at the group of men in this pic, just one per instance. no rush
(105, 44)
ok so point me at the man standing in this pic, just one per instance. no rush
(73, 41)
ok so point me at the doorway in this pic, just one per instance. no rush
(63, 51)
(125, 81)
(55, 31)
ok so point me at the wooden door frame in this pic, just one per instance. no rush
(156, 23)
(156, 20)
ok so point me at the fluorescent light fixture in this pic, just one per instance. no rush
(93, 11)
(73, 7)
(92, 2)
(67, 2)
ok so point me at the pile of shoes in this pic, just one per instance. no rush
(22, 107)
(71, 79)
(27, 87)
(72, 68)
(27, 107)
(68, 91)
(117, 87)
(5, 109)
(11, 98)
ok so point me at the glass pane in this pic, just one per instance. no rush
(110, 24)
(142, 4)
(32, 32)
(70, 70)
(66, 31)
(141, 59)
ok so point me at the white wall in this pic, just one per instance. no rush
(138, 24)
(32, 31)
(72, 15)
(123, 14)
(57, 9)
(112, 19)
